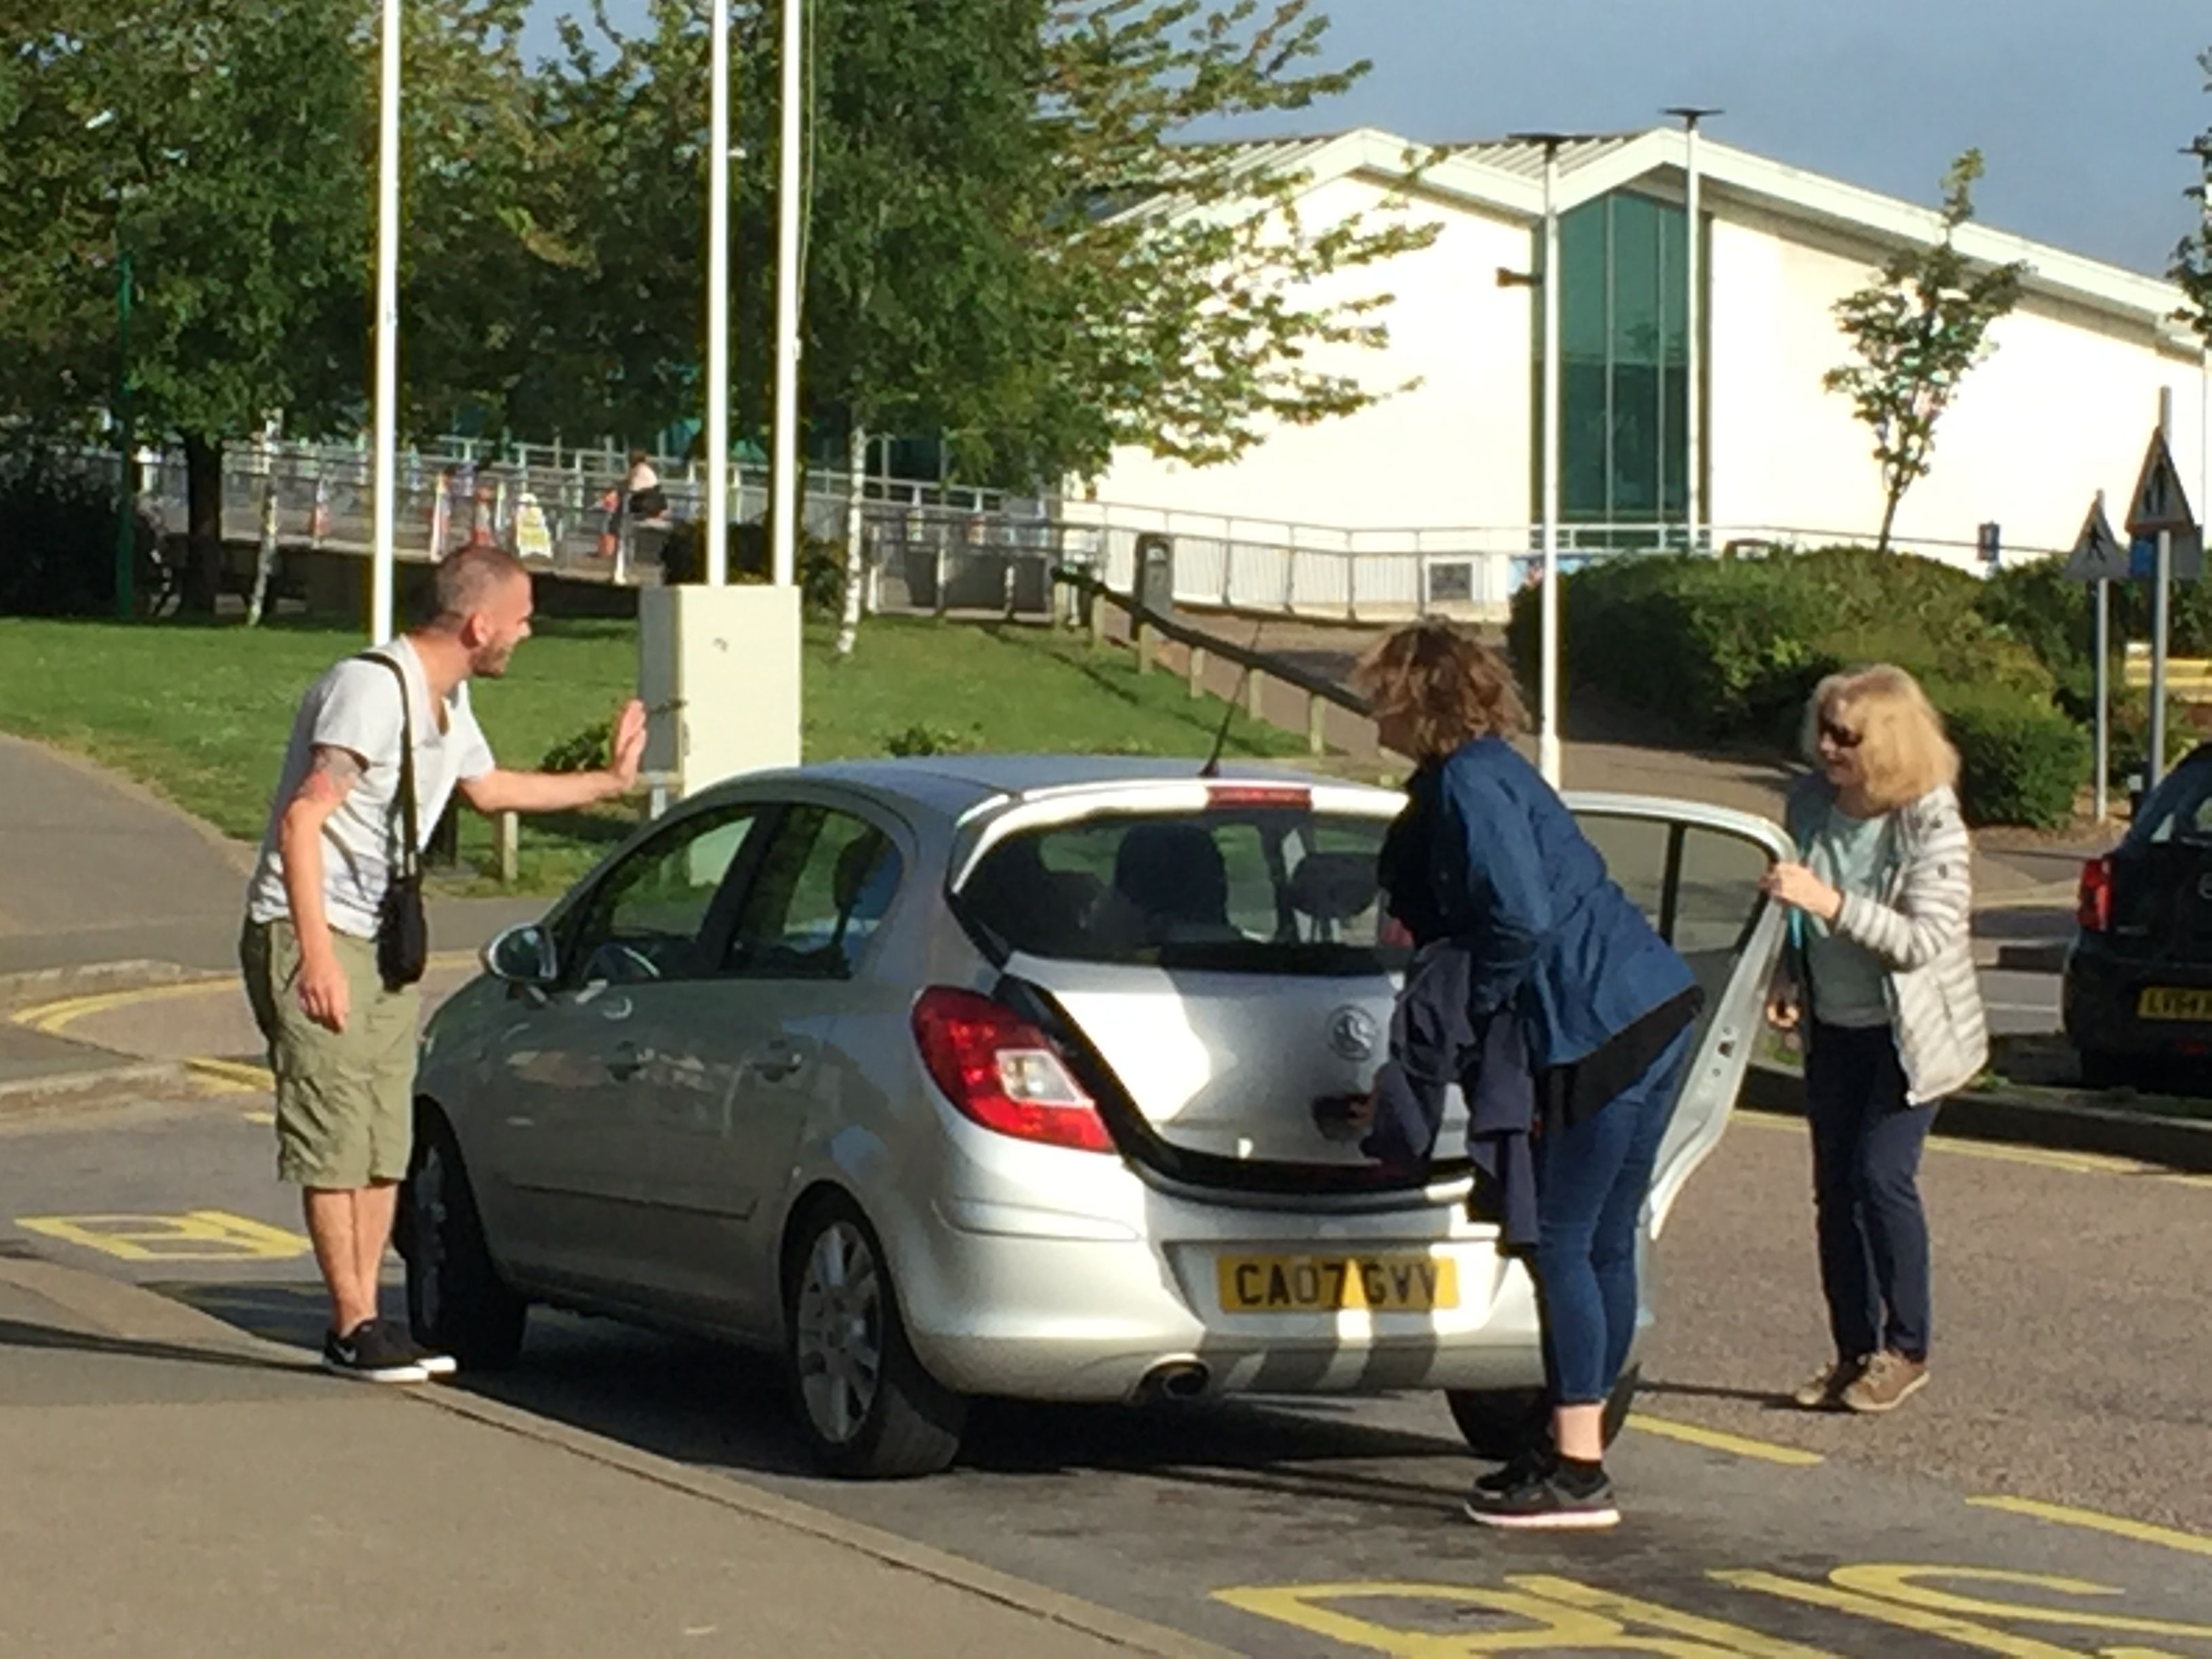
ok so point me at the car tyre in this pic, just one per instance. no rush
(1499, 1423)
(458, 1302)
(867, 1408)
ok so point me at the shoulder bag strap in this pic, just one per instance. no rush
(410, 857)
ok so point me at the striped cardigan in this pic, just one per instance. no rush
(1919, 927)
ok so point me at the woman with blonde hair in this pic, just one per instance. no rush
(1880, 943)
(1520, 931)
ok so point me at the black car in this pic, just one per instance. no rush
(2139, 978)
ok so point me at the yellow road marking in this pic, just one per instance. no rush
(1714, 1440)
(1950, 1629)
(232, 1076)
(2001, 1152)
(1893, 1583)
(2089, 1520)
(259, 1117)
(52, 1016)
(196, 1235)
(1631, 1612)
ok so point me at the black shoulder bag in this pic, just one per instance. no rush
(403, 930)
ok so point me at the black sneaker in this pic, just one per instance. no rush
(402, 1340)
(368, 1353)
(1552, 1501)
(1531, 1462)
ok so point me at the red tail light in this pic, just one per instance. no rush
(1003, 1072)
(2095, 910)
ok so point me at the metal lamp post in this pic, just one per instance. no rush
(790, 205)
(1550, 754)
(1694, 424)
(386, 439)
(715, 531)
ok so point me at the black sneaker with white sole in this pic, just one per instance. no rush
(437, 1363)
(1530, 1463)
(1551, 1500)
(368, 1354)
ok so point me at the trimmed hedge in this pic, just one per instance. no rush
(2019, 763)
(1728, 648)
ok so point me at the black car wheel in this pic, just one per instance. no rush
(1499, 1423)
(457, 1300)
(867, 1408)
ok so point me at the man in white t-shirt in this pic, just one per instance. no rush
(341, 1040)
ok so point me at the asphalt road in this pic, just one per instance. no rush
(2073, 1371)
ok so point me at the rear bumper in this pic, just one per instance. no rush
(2102, 993)
(1014, 1311)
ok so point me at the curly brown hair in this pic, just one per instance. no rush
(1448, 687)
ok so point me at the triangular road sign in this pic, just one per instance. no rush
(2160, 502)
(2098, 556)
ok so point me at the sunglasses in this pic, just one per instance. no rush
(1841, 738)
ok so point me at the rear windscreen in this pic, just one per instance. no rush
(1264, 890)
(2180, 809)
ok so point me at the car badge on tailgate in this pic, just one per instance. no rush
(1352, 1032)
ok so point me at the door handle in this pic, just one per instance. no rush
(777, 1061)
(624, 1062)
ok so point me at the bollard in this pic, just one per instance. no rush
(1144, 646)
(1256, 695)
(510, 848)
(1314, 709)
(1198, 670)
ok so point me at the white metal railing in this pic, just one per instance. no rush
(933, 546)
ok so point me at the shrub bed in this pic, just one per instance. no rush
(1730, 649)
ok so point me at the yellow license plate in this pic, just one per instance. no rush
(2170, 1002)
(1326, 1284)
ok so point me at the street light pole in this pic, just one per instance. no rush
(789, 206)
(386, 398)
(1694, 422)
(126, 516)
(1550, 758)
(716, 529)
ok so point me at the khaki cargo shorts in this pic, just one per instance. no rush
(345, 1100)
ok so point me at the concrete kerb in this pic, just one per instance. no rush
(133, 1313)
(2173, 1143)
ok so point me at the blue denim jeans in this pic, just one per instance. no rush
(1591, 1183)
(1867, 1144)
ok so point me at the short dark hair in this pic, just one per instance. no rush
(468, 576)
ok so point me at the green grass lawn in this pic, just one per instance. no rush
(200, 713)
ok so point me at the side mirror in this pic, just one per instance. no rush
(522, 955)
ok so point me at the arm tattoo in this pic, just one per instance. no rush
(332, 776)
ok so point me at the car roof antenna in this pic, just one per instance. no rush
(1212, 767)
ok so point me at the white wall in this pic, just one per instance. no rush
(2061, 408)
(1453, 453)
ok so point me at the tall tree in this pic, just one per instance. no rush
(1919, 329)
(219, 143)
(2192, 258)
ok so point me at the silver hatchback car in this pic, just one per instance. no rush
(1008, 1077)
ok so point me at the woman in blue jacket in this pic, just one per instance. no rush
(1487, 856)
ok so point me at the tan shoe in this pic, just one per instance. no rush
(1823, 1391)
(1888, 1381)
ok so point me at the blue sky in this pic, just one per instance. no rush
(2080, 108)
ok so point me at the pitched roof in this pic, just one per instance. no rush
(1504, 176)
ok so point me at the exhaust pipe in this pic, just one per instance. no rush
(1174, 1379)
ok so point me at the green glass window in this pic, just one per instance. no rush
(1623, 364)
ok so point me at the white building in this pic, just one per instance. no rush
(1450, 468)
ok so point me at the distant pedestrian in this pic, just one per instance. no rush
(334, 940)
(1882, 904)
(1554, 968)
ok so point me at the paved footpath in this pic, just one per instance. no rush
(178, 1489)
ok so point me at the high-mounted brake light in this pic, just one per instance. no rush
(1223, 795)
(1000, 1071)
